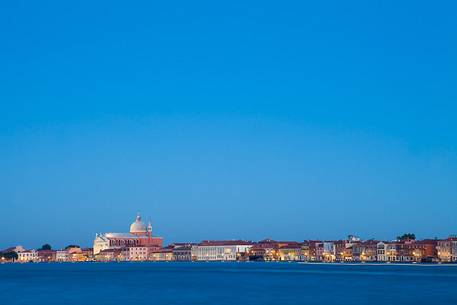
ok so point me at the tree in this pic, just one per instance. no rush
(72, 246)
(10, 255)
(407, 236)
(46, 247)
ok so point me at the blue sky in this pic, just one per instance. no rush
(244, 119)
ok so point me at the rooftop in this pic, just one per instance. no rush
(226, 243)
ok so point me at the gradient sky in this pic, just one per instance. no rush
(221, 120)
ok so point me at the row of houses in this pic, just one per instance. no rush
(71, 254)
(351, 249)
(348, 250)
(230, 250)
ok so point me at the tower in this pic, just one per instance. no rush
(149, 229)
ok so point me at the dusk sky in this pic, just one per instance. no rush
(224, 120)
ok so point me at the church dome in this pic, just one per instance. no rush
(138, 227)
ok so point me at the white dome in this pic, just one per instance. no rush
(138, 226)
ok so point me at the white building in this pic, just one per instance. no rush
(227, 250)
(62, 256)
(329, 248)
(328, 251)
(28, 256)
(387, 252)
(381, 249)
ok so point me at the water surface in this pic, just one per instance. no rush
(227, 283)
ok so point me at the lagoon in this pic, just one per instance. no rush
(226, 283)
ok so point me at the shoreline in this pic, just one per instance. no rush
(449, 264)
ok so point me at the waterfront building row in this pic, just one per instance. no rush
(139, 244)
(349, 250)
(70, 254)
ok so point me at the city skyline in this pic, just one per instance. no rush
(140, 243)
(235, 120)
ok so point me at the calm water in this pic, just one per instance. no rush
(226, 283)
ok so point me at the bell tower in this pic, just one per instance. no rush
(149, 231)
